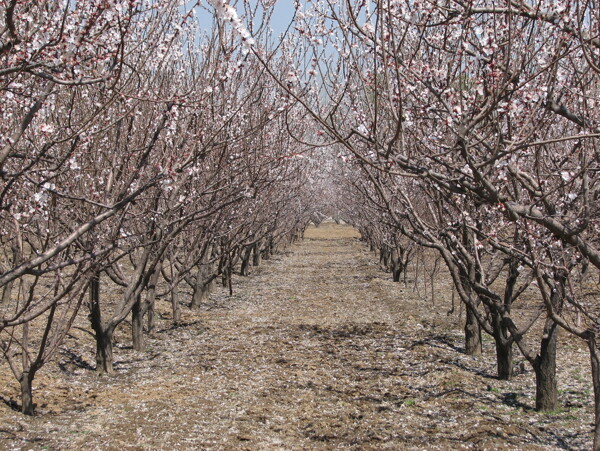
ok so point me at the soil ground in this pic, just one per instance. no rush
(317, 349)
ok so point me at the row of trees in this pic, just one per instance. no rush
(136, 152)
(471, 128)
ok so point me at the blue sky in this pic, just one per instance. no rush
(282, 15)
(284, 11)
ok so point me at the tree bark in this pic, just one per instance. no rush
(204, 278)
(202, 289)
(472, 333)
(137, 325)
(151, 296)
(546, 397)
(504, 346)
(6, 292)
(595, 361)
(256, 256)
(504, 355)
(396, 265)
(175, 307)
(27, 405)
(225, 277)
(104, 351)
(383, 259)
(150, 320)
(268, 249)
(245, 269)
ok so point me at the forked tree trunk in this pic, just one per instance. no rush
(472, 333)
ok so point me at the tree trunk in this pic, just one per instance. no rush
(546, 397)
(245, 269)
(137, 325)
(546, 389)
(150, 317)
(7, 292)
(396, 268)
(27, 405)
(504, 344)
(225, 276)
(151, 296)
(382, 259)
(472, 334)
(268, 249)
(175, 305)
(204, 277)
(202, 288)
(504, 354)
(104, 351)
(472, 326)
(595, 360)
(256, 256)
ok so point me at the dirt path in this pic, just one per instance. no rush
(318, 349)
